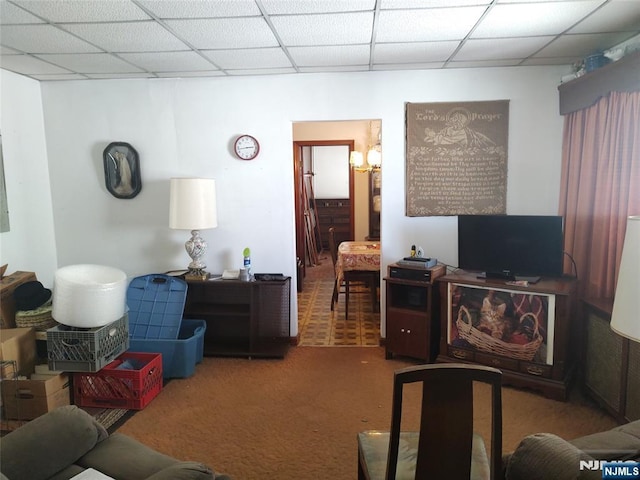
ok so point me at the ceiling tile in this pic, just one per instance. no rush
(175, 9)
(426, 25)
(409, 66)
(225, 33)
(347, 68)
(413, 52)
(127, 36)
(612, 17)
(537, 1)
(60, 11)
(59, 78)
(116, 76)
(387, 4)
(10, 14)
(330, 55)
(91, 63)
(519, 20)
(500, 48)
(580, 45)
(42, 39)
(265, 71)
(291, 7)
(483, 64)
(248, 58)
(210, 73)
(8, 51)
(168, 61)
(332, 29)
(27, 64)
(175, 38)
(551, 61)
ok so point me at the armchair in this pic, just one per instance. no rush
(64, 442)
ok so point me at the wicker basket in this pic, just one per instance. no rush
(489, 344)
(39, 319)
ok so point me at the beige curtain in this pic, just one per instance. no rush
(600, 187)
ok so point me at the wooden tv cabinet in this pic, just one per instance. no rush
(412, 312)
(550, 369)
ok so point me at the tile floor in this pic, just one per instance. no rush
(319, 326)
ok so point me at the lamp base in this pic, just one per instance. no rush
(196, 248)
(196, 274)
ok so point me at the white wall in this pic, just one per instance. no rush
(29, 245)
(186, 127)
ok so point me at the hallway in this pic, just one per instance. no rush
(319, 326)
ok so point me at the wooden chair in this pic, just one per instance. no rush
(350, 278)
(445, 446)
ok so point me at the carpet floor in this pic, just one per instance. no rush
(297, 418)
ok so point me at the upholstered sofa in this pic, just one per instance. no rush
(546, 456)
(66, 441)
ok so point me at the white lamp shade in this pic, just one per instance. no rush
(625, 318)
(374, 157)
(193, 204)
(356, 159)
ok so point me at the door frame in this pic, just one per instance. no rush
(298, 175)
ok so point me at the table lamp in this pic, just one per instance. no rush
(193, 207)
(625, 319)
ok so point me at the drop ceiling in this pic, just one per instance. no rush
(98, 39)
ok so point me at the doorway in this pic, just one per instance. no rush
(318, 324)
(324, 196)
(364, 197)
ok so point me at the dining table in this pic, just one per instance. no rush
(357, 256)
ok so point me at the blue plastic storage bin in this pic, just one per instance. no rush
(180, 356)
(156, 305)
(595, 61)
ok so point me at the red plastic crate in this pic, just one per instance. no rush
(112, 387)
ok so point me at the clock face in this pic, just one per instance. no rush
(246, 147)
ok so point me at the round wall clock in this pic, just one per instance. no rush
(246, 147)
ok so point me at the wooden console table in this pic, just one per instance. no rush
(545, 365)
(244, 319)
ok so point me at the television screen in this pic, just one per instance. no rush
(510, 246)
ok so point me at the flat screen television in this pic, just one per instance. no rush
(511, 246)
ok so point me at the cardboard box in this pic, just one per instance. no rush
(7, 305)
(18, 344)
(28, 399)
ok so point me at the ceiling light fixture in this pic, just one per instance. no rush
(374, 155)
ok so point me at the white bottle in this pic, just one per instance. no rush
(247, 260)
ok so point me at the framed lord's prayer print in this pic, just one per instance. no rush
(456, 158)
(122, 170)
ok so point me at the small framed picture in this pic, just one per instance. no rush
(122, 170)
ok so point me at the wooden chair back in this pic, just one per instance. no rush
(333, 247)
(446, 425)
